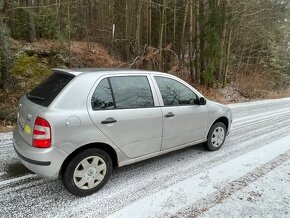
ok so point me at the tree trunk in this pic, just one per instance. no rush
(191, 28)
(69, 31)
(138, 29)
(229, 39)
(150, 23)
(5, 56)
(161, 67)
(202, 40)
(31, 24)
(222, 54)
(127, 30)
(174, 25)
(197, 43)
(183, 30)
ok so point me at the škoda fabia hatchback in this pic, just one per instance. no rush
(81, 123)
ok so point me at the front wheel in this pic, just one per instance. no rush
(216, 136)
(87, 172)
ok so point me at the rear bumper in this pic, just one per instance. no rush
(44, 162)
(35, 162)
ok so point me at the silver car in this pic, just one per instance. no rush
(79, 124)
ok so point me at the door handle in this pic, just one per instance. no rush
(170, 114)
(109, 120)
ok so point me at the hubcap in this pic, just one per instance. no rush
(217, 137)
(89, 172)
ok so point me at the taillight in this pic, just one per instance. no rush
(41, 133)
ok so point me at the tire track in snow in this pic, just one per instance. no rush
(9, 181)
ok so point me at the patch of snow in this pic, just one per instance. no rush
(258, 103)
(5, 137)
(6, 182)
(231, 94)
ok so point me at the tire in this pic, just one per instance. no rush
(216, 136)
(87, 172)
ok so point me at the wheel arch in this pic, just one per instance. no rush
(103, 146)
(223, 120)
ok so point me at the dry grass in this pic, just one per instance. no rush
(8, 105)
(245, 88)
(279, 94)
(212, 94)
(92, 55)
(255, 85)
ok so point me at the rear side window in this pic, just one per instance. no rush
(175, 93)
(102, 98)
(123, 92)
(46, 91)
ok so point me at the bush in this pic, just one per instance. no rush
(8, 115)
(255, 85)
(29, 71)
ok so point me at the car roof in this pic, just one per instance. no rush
(78, 71)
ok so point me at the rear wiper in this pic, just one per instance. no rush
(35, 97)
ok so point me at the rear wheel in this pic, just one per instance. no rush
(87, 172)
(216, 136)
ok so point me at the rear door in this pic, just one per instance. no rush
(37, 100)
(123, 108)
(184, 120)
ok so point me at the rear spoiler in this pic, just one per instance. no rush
(65, 71)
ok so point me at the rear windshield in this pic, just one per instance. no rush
(46, 91)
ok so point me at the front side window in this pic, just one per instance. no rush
(132, 92)
(122, 92)
(102, 98)
(175, 93)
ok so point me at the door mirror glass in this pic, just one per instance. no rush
(202, 101)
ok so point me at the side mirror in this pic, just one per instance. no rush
(202, 101)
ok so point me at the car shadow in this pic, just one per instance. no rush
(16, 169)
(177, 154)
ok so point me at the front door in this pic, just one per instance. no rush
(123, 108)
(184, 120)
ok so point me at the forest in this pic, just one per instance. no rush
(209, 43)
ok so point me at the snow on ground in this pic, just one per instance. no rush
(184, 194)
(203, 183)
(269, 196)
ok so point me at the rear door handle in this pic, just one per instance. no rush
(170, 114)
(109, 120)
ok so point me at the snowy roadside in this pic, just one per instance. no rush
(269, 196)
(197, 194)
